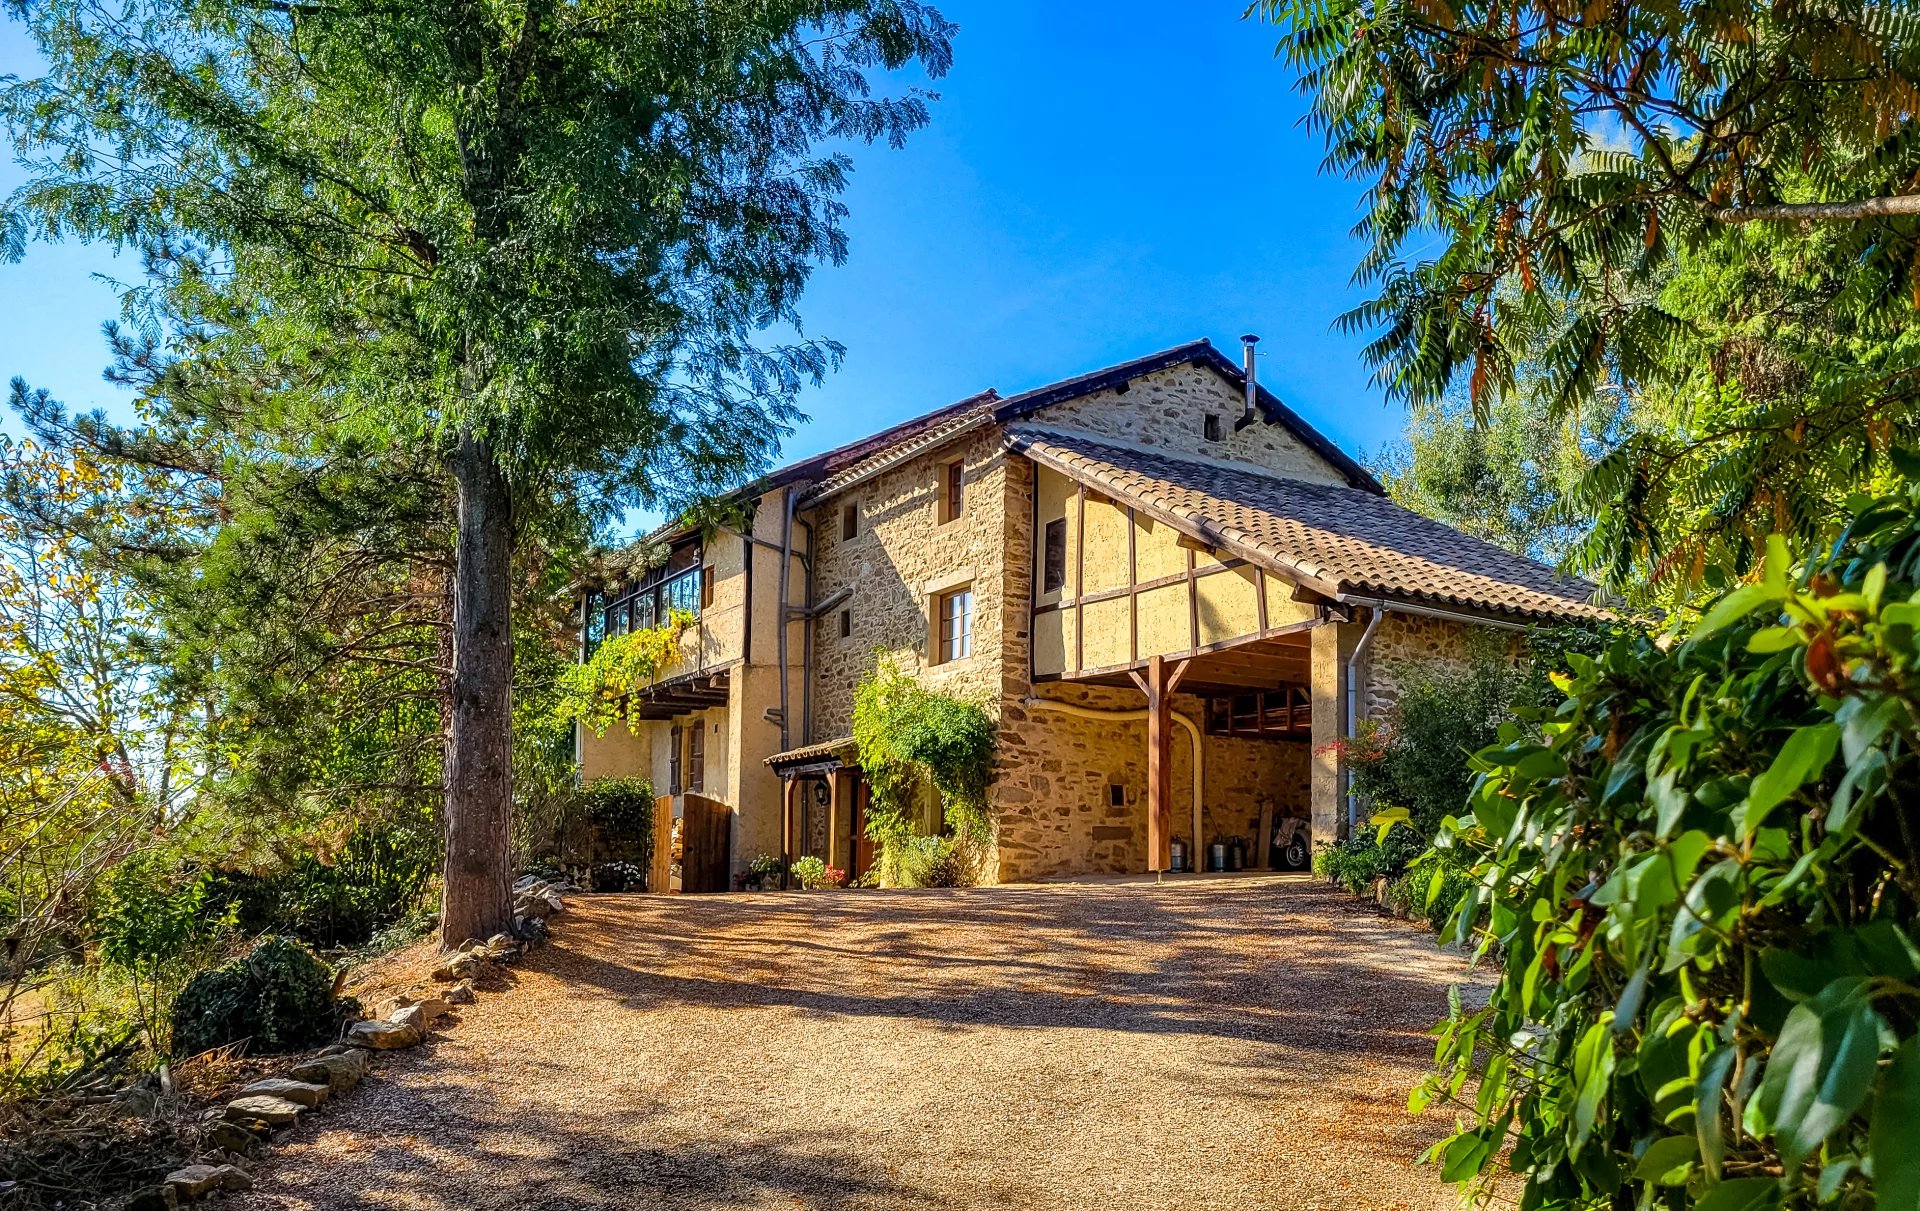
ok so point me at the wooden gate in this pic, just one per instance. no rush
(706, 849)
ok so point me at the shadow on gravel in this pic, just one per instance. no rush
(428, 1145)
(1236, 963)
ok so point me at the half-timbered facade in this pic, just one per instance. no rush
(1168, 589)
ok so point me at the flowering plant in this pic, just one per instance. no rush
(814, 872)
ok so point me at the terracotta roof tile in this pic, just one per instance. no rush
(842, 748)
(1334, 539)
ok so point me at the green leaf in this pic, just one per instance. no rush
(1384, 821)
(1741, 1194)
(1708, 1116)
(1774, 639)
(1467, 1154)
(1894, 1134)
(1592, 1072)
(1779, 562)
(1664, 1158)
(1821, 1069)
(1802, 758)
(1737, 605)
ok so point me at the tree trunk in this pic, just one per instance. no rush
(475, 897)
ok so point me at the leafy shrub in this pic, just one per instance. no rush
(277, 997)
(933, 862)
(149, 911)
(622, 810)
(1702, 877)
(1417, 896)
(618, 876)
(1358, 860)
(377, 877)
(908, 736)
(1446, 711)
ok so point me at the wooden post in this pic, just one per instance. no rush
(660, 870)
(786, 831)
(836, 821)
(1159, 767)
(1263, 843)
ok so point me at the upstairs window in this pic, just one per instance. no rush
(846, 624)
(1053, 559)
(953, 492)
(850, 520)
(1213, 426)
(955, 612)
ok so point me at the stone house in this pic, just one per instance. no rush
(1167, 589)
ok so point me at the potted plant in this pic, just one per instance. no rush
(814, 873)
(762, 873)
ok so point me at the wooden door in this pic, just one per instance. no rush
(862, 844)
(706, 837)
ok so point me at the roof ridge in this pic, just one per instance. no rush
(1186, 456)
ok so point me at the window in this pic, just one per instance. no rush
(1116, 794)
(955, 611)
(1053, 564)
(1282, 714)
(594, 615)
(697, 757)
(846, 624)
(953, 492)
(850, 520)
(681, 593)
(1213, 426)
(673, 763)
(706, 586)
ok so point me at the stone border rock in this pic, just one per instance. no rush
(238, 1130)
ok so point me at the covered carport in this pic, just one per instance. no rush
(1262, 595)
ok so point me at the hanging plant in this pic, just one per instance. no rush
(909, 736)
(599, 691)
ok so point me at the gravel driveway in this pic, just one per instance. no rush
(1225, 1043)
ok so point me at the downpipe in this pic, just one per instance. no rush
(780, 639)
(1380, 607)
(1353, 712)
(1193, 733)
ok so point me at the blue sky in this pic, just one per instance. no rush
(1098, 182)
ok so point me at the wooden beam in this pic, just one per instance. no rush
(1133, 591)
(786, 830)
(1079, 579)
(836, 820)
(1159, 766)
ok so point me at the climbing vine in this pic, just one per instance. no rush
(908, 736)
(599, 691)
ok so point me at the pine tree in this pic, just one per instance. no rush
(536, 241)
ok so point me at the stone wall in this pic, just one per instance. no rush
(1406, 641)
(901, 556)
(1168, 409)
(1055, 807)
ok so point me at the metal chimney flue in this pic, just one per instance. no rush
(1247, 343)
